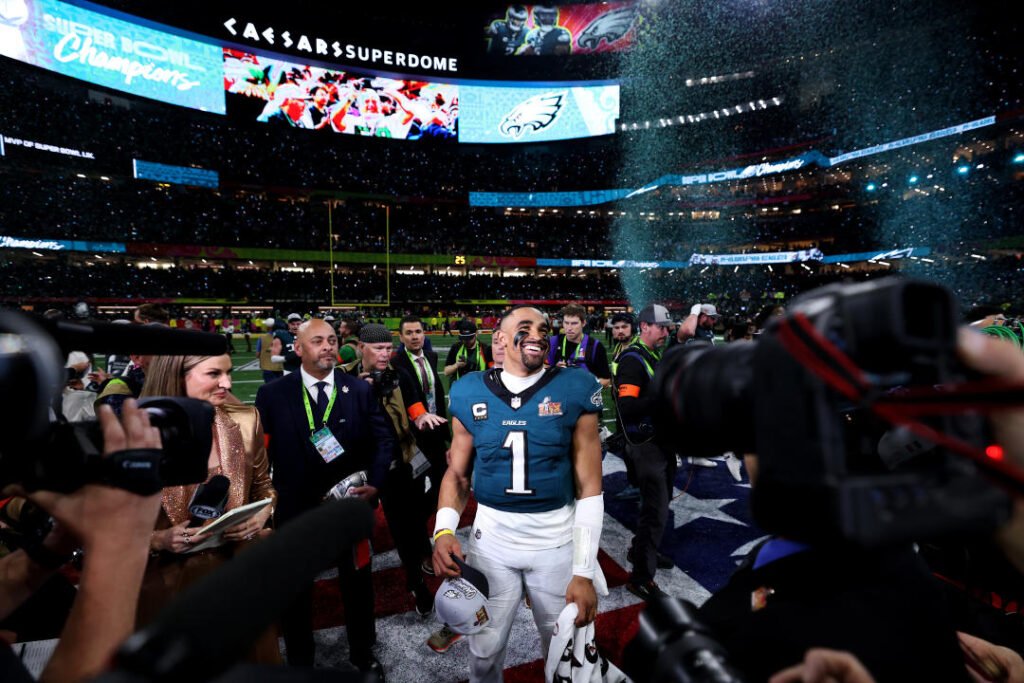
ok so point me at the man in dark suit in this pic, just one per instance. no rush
(420, 363)
(322, 426)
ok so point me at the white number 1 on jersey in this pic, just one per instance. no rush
(516, 443)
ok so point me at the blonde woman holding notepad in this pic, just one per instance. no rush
(238, 453)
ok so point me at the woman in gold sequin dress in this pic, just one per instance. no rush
(239, 453)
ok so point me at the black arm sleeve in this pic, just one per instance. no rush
(632, 372)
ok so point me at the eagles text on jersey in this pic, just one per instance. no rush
(523, 442)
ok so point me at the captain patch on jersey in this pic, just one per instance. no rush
(523, 459)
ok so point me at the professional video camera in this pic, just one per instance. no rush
(384, 381)
(673, 645)
(38, 453)
(855, 406)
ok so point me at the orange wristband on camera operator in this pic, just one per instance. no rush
(415, 410)
(629, 391)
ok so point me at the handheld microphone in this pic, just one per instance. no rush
(209, 500)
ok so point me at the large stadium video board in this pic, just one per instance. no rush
(547, 30)
(113, 53)
(533, 114)
(315, 98)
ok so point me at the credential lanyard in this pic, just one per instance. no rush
(309, 411)
(580, 353)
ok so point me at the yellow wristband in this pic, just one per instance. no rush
(442, 532)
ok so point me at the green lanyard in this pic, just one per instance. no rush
(462, 355)
(427, 382)
(580, 353)
(309, 411)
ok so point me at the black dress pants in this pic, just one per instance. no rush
(357, 598)
(655, 473)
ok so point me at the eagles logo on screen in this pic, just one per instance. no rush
(532, 115)
(609, 27)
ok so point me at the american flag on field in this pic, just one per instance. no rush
(709, 531)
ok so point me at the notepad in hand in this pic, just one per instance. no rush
(215, 530)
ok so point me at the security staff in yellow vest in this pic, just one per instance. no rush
(468, 354)
(655, 468)
(271, 370)
(624, 334)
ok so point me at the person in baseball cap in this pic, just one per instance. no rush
(707, 316)
(655, 314)
(468, 354)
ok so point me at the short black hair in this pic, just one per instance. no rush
(509, 311)
(409, 319)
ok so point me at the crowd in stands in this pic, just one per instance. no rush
(740, 292)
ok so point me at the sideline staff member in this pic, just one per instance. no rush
(322, 425)
(468, 354)
(655, 469)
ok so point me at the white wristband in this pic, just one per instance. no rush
(447, 518)
(586, 535)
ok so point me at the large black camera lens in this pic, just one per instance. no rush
(186, 431)
(707, 398)
(673, 646)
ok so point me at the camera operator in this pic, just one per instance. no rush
(882, 605)
(654, 467)
(575, 349)
(468, 354)
(114, 527)
(403, 494)
(115, 390)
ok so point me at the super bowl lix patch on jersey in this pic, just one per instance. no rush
(547, 407)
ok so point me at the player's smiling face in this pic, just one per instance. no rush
(525, 336)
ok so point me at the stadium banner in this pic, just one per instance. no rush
(43, 147)
(263, 254)
(756, 259)
(606, 263)
(518, 199)
(296, 95)
(890, 255)
(546, 30)
(916, 139)
(324, 46)
(112, 52)
(177, 175)
(744, 172)
(37, 244)
(495, 261)
(499, 114)
(562, 302)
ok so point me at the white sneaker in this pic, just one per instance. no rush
(701, 462)
(735, 466)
